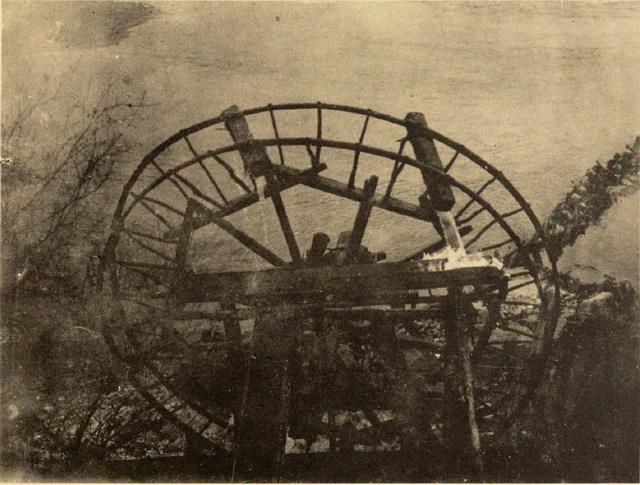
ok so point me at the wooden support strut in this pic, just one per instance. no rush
(182, 252)
(461, 432)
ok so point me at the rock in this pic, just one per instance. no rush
(598, 300)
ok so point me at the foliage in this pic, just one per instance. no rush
(61, 400)
(59, 160)
(591, 196)
(63, 403)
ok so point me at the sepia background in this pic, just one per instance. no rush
(542, 90)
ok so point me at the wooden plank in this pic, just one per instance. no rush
(262, 426)
(344, 282)
(425, 150)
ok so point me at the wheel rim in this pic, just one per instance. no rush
(166, 348)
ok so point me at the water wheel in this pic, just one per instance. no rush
(235, 314)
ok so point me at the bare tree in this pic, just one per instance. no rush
(59, 154)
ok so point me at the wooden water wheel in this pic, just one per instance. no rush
(248, 329)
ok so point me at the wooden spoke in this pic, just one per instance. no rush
(496, 246)
(155, 214)
(319, 132)
(174, 182)
(451, 162)
(356, 158)
(285, 225)
(472, 201)
(231, 173)
(243, 238)
(205, 169)
(160, 203)
(490, 224)
(517, 273)
(521, 285)
(151, 249)
(198, 193)
(312, 156)
(149, 236)
(397, 168)
(471, 217)
(191, 147)
(275, 131)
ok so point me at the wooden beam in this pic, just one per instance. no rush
(344, 282)
(342, 190)
(254, 154)
(285, 224)
(242, 237)
(425, 150)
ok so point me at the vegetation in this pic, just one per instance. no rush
(61, 401)
(591, 196)
(55, 174)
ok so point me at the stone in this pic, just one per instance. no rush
(598, 300)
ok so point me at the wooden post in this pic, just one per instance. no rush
(461, 432)
(263, 420)
(362, 218)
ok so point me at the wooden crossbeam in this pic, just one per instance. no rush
(342, 190)
(351, 281)
(254, 155)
